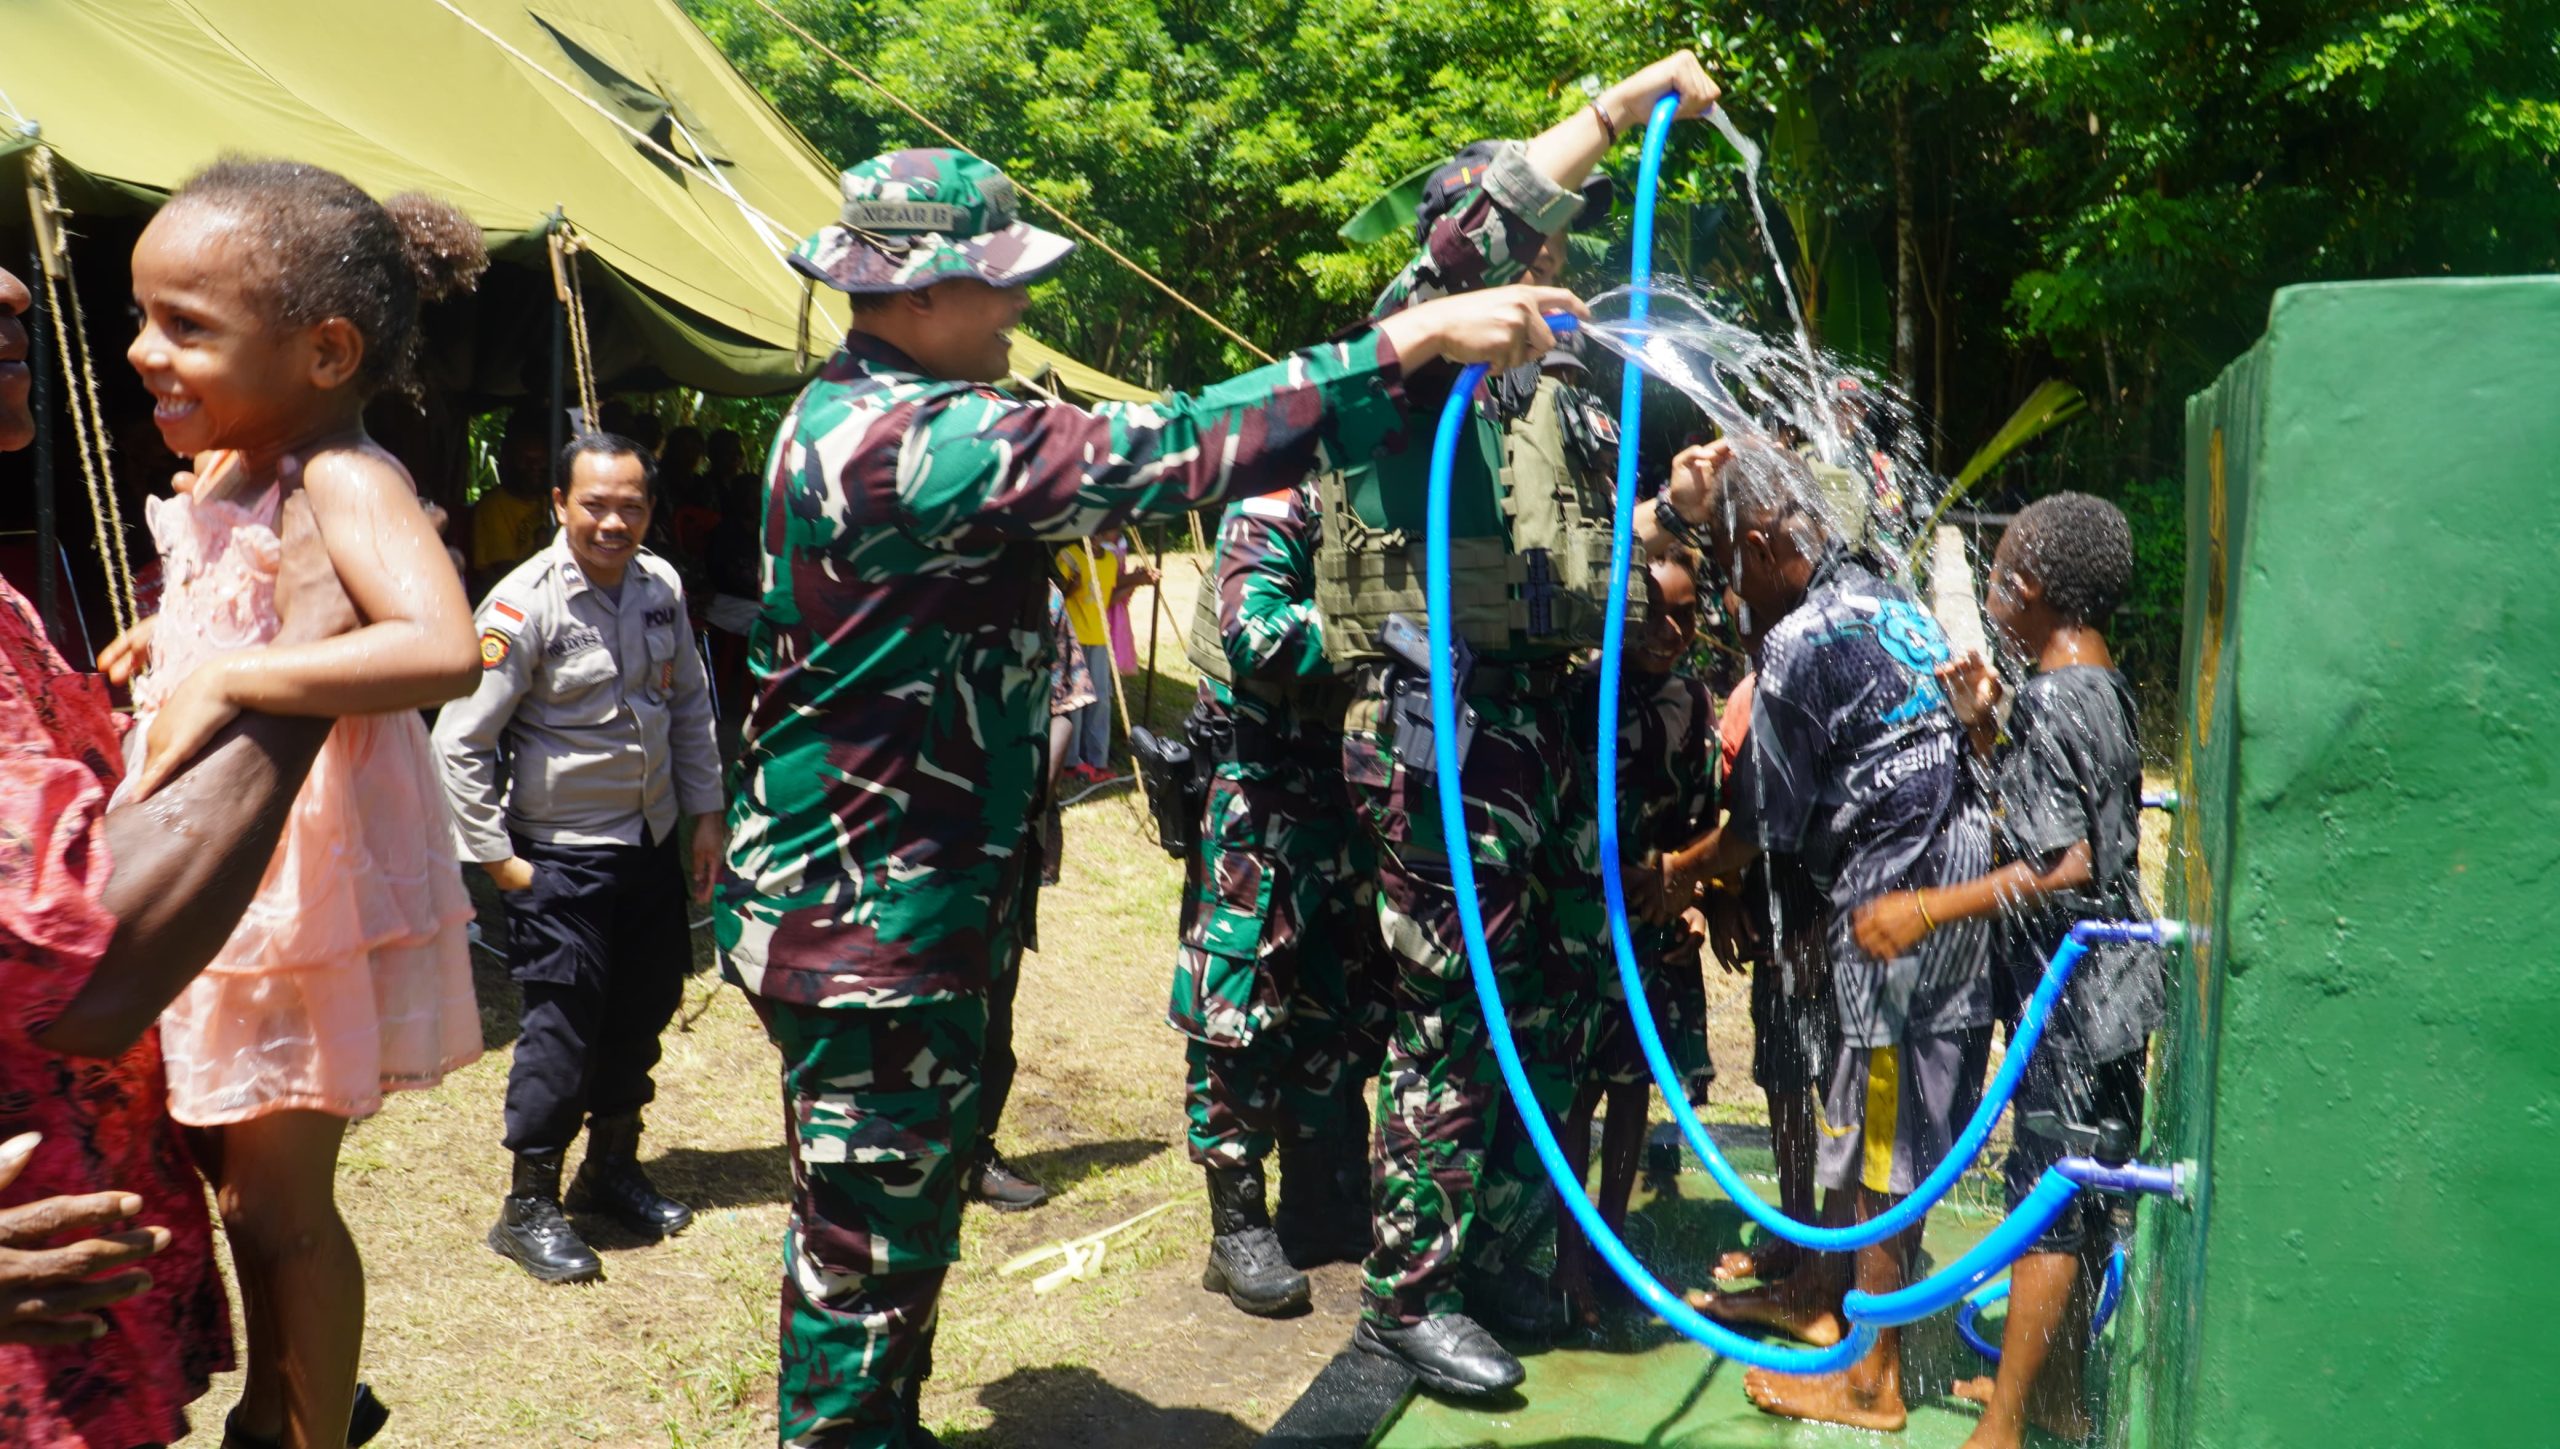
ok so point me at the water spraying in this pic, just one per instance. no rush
(1824, 436)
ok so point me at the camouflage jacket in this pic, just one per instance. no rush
(1271, 632)
(901, 658)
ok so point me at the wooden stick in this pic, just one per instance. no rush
(1119, 696)
(1155, 616)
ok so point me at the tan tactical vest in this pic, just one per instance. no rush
(1207, 645)
(1539, 583)
(1311, 699)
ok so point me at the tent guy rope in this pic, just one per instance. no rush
(80, 375)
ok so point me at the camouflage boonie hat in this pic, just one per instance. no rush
(914, 218)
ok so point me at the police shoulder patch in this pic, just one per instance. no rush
(493, 648)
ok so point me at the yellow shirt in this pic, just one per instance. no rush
(507, 529)
(1085, 606)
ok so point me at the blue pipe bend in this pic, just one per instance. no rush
(2110, 1294)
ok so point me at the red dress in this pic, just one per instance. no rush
(105, 1124)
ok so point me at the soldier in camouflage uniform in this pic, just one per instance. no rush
(896, 735)
(1454, 1179)
(1272, 983)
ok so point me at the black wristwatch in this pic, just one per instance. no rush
(1692, 534)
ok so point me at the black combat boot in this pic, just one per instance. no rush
(911, 1401)
(1322, 1217)
(610, 1182)
(532, 1232)
(1245, 1261)
(1001, 1185)
(1451, 1354)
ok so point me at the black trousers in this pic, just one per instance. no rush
(997, 1063)
(600, 945)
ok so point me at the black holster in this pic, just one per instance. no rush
(1408, 690)
(1177, 789)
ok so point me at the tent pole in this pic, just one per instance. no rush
(48, 551)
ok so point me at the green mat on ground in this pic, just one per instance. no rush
(1649, 1386)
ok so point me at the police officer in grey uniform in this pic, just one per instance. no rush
(589, 737)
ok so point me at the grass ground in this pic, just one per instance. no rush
(675, 1346)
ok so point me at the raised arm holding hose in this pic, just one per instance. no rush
(1456, 1176)
(900, 710)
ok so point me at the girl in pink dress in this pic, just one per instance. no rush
(275, 300)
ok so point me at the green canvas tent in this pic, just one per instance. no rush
(618, 115)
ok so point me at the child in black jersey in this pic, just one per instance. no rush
(2068, 777)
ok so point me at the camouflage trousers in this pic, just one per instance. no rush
(1455, 1180)
(1274, 979)
(877, 1103)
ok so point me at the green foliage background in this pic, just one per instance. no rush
(2106, 192)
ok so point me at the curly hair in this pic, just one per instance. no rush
(2080, 549)
(323, 248)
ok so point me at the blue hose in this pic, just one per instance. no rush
(1968, 1319)
(1969, 1327)
(2016, 1233)
(1960, 1155)
(1462, 884)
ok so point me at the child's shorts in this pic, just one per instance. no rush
(1890, 1113)
(2081, 1093)
(1675, 983)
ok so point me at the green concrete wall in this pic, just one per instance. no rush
(2364, 1054)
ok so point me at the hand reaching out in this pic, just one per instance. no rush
(187, 722)
(1501, 327)
(1631, 100)
(710, 848)
(1973, 690)
(128, 654)
(51, 1295)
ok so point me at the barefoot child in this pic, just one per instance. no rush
(2069, 781)
(1857, 767)
(1666, 795)
(275, 299)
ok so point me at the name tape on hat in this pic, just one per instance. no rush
(918, 216)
